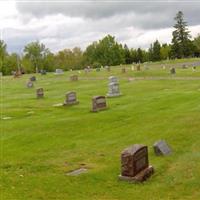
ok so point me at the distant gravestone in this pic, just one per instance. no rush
(70, 99)
(32, 78)
(161, 148)
(98, 103)
(173, 70)
(29, 84)
(74, 78)
(184, 66)
(123, 70)
(138, 67)
(135, 164)
(40, 93)
(58, 71)
(113, 87)
(98, 69)
(107, 68)
(43, 72)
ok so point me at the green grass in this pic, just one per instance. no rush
(39, 148)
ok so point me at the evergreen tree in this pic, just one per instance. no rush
(156, 56)
(181, 43)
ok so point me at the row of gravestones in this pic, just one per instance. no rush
(33, 79)
(135, 162)
(98, 102)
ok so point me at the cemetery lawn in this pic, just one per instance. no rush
(41, 143)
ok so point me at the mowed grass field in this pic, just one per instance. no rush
(41, 143)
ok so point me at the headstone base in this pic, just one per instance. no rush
(70, 103)
(140, 177)
(99, 109)
(113, 95)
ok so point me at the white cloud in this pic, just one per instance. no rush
(57, 30)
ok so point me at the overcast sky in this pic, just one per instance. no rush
(66, 24)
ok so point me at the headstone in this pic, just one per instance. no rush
(123, 70)
(70, 99)
(40, 93)
(113, 87)
(32, 78)
(98, 103)
(74, 78)
(138, 67)
(17, 74)
(107, 68)
(135, 164)
(161, 148)
(29, 84)
(43, 72)
(173, 70)
(98, 69)
(132, 68)
(58, 71)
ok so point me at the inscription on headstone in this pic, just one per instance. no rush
(135, 164)
(98, 103)
(70, 99)
(161, 148)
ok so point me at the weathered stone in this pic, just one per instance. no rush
(77, 172)
(98, 103)
(135, 164)
(40, 93)
(113, 87)
(70, 99)
(29, 84)
(173, 70)
(32, 78)
(123, 70)
(58, 71)
(161, 148)
(74, 78)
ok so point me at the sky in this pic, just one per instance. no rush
(69, 23)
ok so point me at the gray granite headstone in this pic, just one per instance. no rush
(33, 78)
(59, 71)
(29, 84)
(161, 148)
(113, 87)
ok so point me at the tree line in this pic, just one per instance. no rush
(106, 51)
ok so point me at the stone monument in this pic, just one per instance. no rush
(113, 87)
(40, 93)
(135, 164)
(98, 103)
(74, 78)
(161, 148)
(70, 99)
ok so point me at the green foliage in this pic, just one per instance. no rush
(42, 143)
(181, 44)
(197, 45)
(36, 53)
(106, 52)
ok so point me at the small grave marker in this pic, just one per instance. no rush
(161, 148)
(74, 78)
(32, 78)
(98, 103)
(40, 93)
(70, 99)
